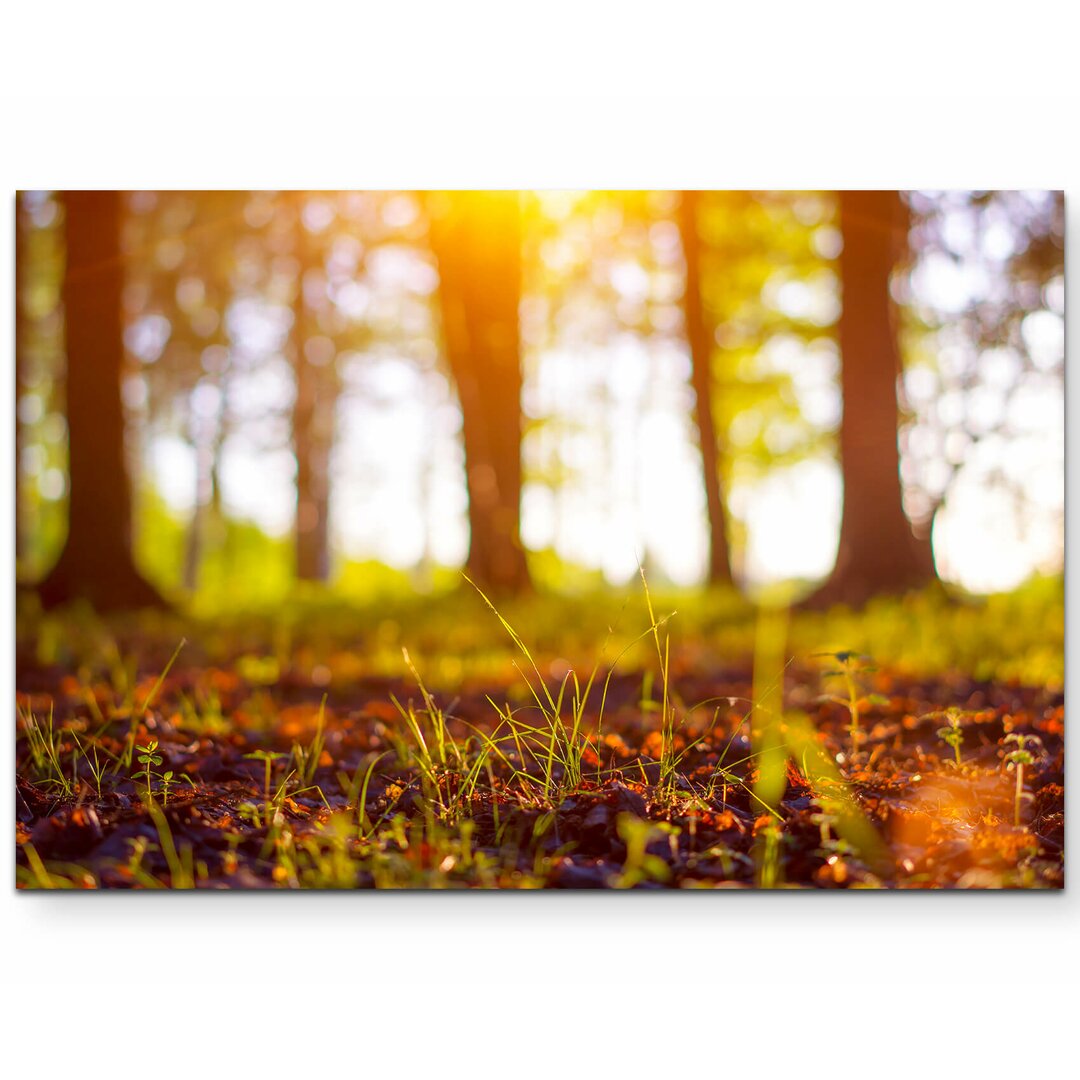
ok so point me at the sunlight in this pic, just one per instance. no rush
(610, 450)
(803, 500)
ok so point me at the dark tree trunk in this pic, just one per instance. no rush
(477, 243)
(312, 432)
(96, 563)
(700, 339)
(878, 553)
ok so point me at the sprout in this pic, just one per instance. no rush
(951, 733)
(148, 757)
(853, 667)
(1017, 759)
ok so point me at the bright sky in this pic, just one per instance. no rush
(617, 424)
(398, 491)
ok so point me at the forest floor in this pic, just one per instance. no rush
(304, 749)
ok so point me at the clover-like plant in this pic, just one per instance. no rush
(1017, 759)
(148, 756)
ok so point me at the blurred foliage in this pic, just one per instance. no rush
(771, 291)
(217, 279)
(604, 277)
(41, 429)
(984, 336)
(338, 637)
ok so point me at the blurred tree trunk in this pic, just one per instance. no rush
(878, 552)
(700, 339)
(208, 435)
(96, 563)
(312, 427)
(476, 239)
(193, 545)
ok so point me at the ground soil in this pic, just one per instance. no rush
(943, 826)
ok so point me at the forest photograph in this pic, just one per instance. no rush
(539, 539)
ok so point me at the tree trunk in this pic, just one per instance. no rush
(312, 430)
(477, 243)
(878, 552)
(700, 339)
(96, 563)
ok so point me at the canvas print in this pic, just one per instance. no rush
(618, 540)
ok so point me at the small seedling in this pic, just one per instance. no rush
(148, 757)
(951, 734)
(1017, 759)
(166, 783)
(852, 669)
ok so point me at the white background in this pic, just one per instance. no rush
(627, 94)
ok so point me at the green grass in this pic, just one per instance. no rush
(453, 638)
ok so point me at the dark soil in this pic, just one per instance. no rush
(943, 826)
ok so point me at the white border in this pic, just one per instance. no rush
(558, 94)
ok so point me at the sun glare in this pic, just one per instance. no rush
(611, 457)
